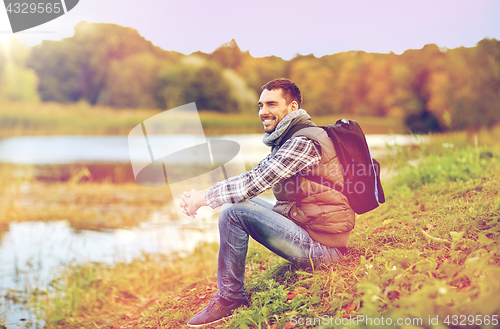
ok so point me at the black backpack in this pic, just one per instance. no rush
(361, 172)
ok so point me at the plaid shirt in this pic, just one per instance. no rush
(298, 154)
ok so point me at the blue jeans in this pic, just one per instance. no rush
(279, 234)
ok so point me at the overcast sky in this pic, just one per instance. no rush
(285, 28)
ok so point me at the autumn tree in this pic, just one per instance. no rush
(318, 81)
(77, 67)
(131, 82)
(258, 71)
(195, 80)
(228, 55)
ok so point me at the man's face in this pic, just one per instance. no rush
(273, 108)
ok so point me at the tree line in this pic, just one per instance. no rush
(432, 89)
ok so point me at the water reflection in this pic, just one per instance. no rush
(90, 149)
(30, 252)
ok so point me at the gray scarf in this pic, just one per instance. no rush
(296, 117)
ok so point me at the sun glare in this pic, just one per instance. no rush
(4, 44)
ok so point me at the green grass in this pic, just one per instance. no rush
(431, 251)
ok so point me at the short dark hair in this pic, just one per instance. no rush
(290, 90)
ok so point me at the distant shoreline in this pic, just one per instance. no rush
(48, 119)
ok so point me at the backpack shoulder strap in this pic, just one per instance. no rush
(292, 131)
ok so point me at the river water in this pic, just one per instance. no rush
(90, 149)
(30, 252)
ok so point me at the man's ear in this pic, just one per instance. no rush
(295, 106)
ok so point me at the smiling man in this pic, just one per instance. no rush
(310, 222)
(274, 107)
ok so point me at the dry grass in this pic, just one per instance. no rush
(90, 205)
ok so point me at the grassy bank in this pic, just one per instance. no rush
(432, 250)
(101, 296)
(21, 119)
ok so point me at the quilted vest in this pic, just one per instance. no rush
(321, 210)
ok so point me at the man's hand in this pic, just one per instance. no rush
(192, 201)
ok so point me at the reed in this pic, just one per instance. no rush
(91, 206)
